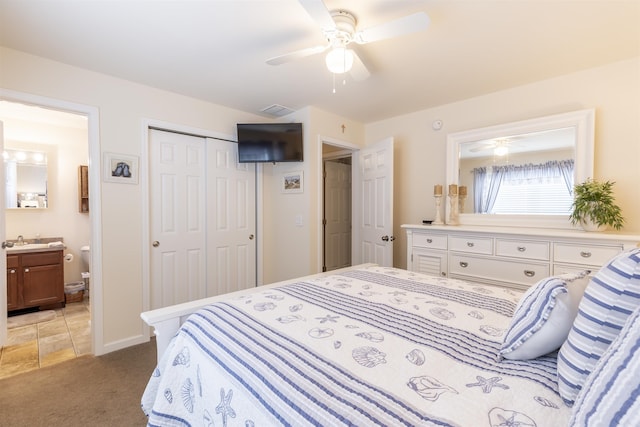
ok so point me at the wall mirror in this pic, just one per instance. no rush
(521, 173)
(26, 185)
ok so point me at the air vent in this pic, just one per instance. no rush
(277, 110)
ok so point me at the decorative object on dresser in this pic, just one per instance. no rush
(594, 206)
(453, 200)
(437, 194)
(508, 256)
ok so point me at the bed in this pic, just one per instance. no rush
(362, 346)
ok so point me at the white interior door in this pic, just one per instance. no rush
(231, 220)
(3, 258)
(178, 215)
(337, 215)
(373, 204)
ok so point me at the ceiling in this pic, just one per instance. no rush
(216, 50)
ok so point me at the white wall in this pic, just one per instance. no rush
(123, 106)
(613, 90)
(293, 250)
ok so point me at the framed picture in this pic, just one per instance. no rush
(292, 182)
(120, 168)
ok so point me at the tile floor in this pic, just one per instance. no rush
(43, 344)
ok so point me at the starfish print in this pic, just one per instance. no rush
(224, 407)
(488, 384)
(328, 318)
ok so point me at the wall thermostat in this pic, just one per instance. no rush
(437, 124)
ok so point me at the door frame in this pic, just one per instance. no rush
(95, 201)
(147, 124)
(347, 147)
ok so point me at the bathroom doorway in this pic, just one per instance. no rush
(70, 133)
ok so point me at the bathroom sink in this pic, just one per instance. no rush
(29, 247)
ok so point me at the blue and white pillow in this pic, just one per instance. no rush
(611, 296)
(544, 316)
(611, 394)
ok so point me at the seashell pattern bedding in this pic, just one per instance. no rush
(371, 346)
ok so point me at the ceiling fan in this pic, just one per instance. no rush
(500, 146)
(340, 28)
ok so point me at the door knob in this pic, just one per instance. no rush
(250, 236)
(385, 238)
(155, 243)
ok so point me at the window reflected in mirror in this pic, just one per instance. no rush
(520, 174)
(26, 179)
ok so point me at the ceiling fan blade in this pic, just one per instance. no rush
(399, 27)
(359, 71)
(319, 12)
(291, 56)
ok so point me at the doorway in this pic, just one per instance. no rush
(336, 222)
(40, 114)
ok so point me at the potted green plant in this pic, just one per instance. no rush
(594, 206)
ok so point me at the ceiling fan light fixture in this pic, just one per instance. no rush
(501, 150)
(339, 60)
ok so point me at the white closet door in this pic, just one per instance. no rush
(231, 220)
(178, 206)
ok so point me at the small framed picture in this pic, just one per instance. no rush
(292, 182)
(120, 168)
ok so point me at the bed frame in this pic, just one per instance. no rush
(167, 320)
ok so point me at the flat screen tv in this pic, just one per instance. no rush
(269, 142)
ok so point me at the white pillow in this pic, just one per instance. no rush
(611, 395)
(544, 316)
(611, 296)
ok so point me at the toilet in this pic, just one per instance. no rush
(85, 255)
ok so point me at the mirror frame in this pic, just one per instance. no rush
(583, 121)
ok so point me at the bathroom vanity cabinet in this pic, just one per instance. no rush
(35, 279)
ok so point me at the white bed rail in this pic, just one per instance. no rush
(167, 320)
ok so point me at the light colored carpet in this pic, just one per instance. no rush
(30, 318)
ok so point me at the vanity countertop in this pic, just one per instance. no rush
(34, 247)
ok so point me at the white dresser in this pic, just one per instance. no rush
(508, 256)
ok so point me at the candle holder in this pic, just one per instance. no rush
(438, 220)
(453, 211)
(461, 200)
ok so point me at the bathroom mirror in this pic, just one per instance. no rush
(26, 179)
(521, 173)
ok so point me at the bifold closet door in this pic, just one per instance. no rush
(177, 170)
(231, 219)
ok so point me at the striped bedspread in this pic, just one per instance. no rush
(375, 346)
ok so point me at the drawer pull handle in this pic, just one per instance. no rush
(12, 271)
(522, 248)
(470, 244)
(529, 273)
(26, 270)
(429, 240)
(463, 264)
(585, 254)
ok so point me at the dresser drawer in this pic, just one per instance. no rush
(583, 254)
(523, 249)
(472, 244)
(491, 270)
(431, 241)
